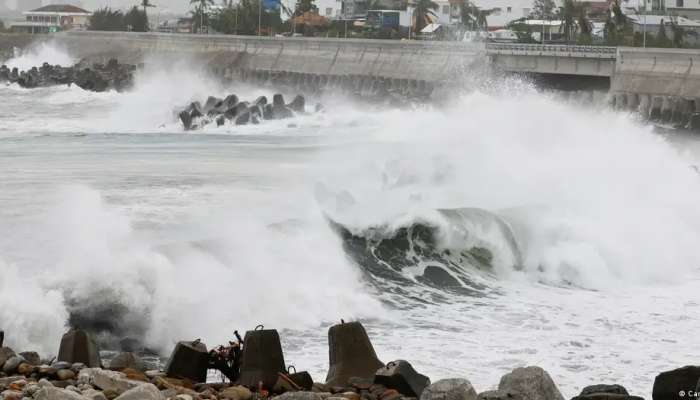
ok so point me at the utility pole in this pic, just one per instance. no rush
(259, 16)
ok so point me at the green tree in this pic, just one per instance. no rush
(543, 9)
(146, 4)
(584, 25)
(662, 39)
(200, 14)
(616, 25)
(2, 26)
(136, 20)
(568, 16)
(423, 9)
(106, 19)
(303, 6)
(678, 39)
(472, 17)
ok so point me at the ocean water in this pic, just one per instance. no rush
(566, 233)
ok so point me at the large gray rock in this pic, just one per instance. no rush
(299, 396)
(107, 380)
(126, 360)
(5, 354)
(449, 389)
(401, 376)
(532, 382)
(32, 357)
(11, 364)
(605, 392)
(147, 391)
(499, 395)
(54, 393)
(668, 384)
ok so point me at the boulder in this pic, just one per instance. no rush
(78, 346)
(126, 360)
(260, 101)
(31, 357)
(261, 359)
(611, 389)
(65, 374)
(298, 104)
(532, 382)
(299, 396)
(189, 360)
(302, 379)
(93, 394)
(11, 395)
(54, 393)
(668, 384)
(230, 101)
(147, 391)
(5, 354)
(449, 389)
(26, 369)
(186, 119)
(401, 376)
(107, 380)
(350, 354)
(236, 393)
(499, 395)
(10, 366)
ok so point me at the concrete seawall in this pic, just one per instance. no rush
(367, 66)
(662, 84)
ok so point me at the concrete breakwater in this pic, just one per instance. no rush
(256, 370)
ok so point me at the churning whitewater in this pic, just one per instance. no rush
(506, 227)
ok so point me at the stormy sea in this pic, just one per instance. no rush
(497, 228)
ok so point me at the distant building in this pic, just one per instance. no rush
(684, 8)
(652, 25)
(330, 9)
(52, 18)
(179, 25)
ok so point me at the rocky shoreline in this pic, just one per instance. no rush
(256, 370)
(92, 77)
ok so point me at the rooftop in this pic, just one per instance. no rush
(60, 8)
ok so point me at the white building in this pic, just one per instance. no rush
(52, 18)
(504, 11)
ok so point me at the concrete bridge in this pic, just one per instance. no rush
(596, 61)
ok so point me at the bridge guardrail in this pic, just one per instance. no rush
(553, 50)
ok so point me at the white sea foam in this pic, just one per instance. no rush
(36, 55)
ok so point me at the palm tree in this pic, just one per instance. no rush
(145, 4)
(424, 8)
(203, 5)
(473, 18)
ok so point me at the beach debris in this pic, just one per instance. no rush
(401, 376)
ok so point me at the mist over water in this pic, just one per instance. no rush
(590, 217)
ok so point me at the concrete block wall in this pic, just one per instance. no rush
(662, 84)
